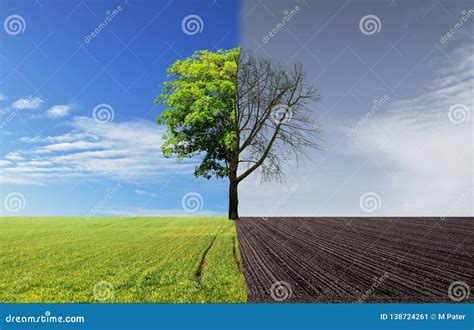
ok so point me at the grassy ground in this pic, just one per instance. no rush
(124, 259)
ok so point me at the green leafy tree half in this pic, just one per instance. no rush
(239, 113)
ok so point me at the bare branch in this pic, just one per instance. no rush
(275, 122)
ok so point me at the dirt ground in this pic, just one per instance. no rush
(357, 259)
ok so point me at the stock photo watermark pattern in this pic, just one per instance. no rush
(192, 202)
(46, 318)
(466, 16)
(10, 118)
(459, 113)
(377, 105)
(103, 291)
(192, 25)
(378, 281)
(14, 202)
(281, 291)
(14, 25)
(370, 24)
(277, 207)
(469, 193)
(110, 16)
(458, 291)
(103, 113)
(100, 206)
(385, 176)
(281, 114)
(288, 15)
(19, 285)
(370, 202)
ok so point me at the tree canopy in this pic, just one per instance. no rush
(240, 113)
(200, 109)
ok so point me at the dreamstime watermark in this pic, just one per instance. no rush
(458, 291)
(458, 202)
(459, 24)
(108, 196)
(377, 105)
(288, 15)
(198, 286)
(45, 318)
(9, 118)
(110, 16)
(192, 202)
(377, 282)
(192, 25)
(281, 114)
(103, 291)
(370, 202)
(459, 114)
(16, 110)
(18, 286)
(103, 113)
(17, 107)
(14, 202)
(14, 25)
(282, 201)
(281, 291)
(370, 24)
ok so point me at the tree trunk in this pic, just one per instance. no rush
(233, 196)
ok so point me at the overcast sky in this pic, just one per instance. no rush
(405, 155)
(78, 121)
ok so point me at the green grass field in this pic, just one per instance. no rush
(140, 260)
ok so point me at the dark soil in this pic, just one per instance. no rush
(356, 259)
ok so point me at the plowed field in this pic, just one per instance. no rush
(357, 259)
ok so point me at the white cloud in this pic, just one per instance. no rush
(4, 163)
(146, 193)
(428, 160)
(410, 153)
(68, 137)
(42, 163)
(58, 111)
(2, 97)
(427, 157)
(30, 103)
(14, 156)
(86, 155)
(127, 151)
(71, 146)
(15, 180)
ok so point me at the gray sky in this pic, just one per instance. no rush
(396, 105)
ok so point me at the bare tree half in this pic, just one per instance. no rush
(274, 122)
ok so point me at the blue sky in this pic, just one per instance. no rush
(78, 120)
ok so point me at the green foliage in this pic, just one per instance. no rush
(146, 260)
(200, 110)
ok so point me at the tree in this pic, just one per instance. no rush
(238, 112)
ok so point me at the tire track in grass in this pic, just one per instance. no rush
(236, 257)
(198, 273)
(202, 262)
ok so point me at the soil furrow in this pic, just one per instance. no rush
(355, 259)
